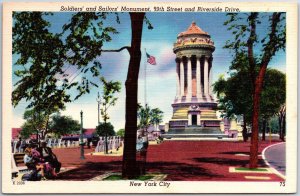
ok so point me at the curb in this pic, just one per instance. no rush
(268, 164)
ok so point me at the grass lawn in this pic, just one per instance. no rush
(119, 177)
(248, 169)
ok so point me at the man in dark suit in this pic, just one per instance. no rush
(49, 156)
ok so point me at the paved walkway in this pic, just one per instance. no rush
(179, 160)
(275, 156)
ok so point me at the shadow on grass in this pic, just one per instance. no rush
(90, 170)
(180, 171)
(175, 171)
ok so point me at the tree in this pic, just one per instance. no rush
(281, 121)
(42, 125)
(246, 39)
(62, 125)
(121, 133)
(36, 122)
(156, 117)
(235, 99)
(272, 96)
(129, 156)
(105, 129)
(274, 125)
(108, 100)
(148, 116)
(78, 45)
(27, 129)
(144, 118)
(37, 69)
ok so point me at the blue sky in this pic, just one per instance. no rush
(161, 79)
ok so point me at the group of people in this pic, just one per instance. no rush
(41, 159)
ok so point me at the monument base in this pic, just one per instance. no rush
(195, 132)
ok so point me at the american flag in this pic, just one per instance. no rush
(151, 59)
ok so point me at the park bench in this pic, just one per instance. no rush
(18, 165)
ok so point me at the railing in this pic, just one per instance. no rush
(113, 143)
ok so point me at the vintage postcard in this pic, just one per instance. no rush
(147, 97)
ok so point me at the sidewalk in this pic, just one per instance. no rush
(178, 160)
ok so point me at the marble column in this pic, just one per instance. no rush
(181, 77)
(198, 78)
(178, 79)
(210, 78)
(206, 85)
(189, 79)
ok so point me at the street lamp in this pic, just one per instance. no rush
(81, 138)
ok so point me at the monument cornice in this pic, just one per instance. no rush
(195, 46)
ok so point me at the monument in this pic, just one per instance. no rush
(194, 107)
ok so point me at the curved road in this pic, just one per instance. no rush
(275, 156)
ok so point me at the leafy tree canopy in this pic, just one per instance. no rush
(121, 132)
(105, 129)
(56, 124)
(62, 125)
(110, 88)
(148, 116)
(235, 94)
(44, 57)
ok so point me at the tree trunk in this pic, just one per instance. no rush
(264, 130)
(256, 99)
(279, 126)
(129, 170)
(283, 128)
(245, 136)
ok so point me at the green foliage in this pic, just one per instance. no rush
(274, 125)
(234, 98)
(119, 177)
(39, 60)
(156, 116)
(245, 38)
(27, 129)
(104, 129)
(61, 125)
(45, 124)
(43, 57)
(236, 94)
(36, 121)
(108, 96)
(274, 93)
(148, 116)
(121, 132)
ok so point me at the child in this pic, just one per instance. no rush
(30, 159)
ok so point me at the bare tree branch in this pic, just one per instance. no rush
(118, 50)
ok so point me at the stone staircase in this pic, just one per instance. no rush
(195, 132)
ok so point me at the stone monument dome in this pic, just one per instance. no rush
(193, 37)
(193, 29)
